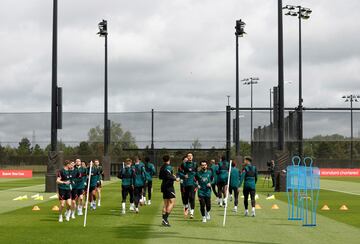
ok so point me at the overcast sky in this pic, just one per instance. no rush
(173, 54)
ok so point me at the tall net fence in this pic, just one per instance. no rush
(25, 137)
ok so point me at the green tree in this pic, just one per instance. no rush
(84, 148)
(196, 144)
(24, 147)
(37, 151)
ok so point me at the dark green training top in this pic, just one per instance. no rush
(188, 168)
(65, 175)
(249, 176)
(149, 171)
(235, 177)
(223, 171)
(126, 175)
(139, 174)
(203, 178)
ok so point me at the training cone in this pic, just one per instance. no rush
(25, 197)
(35, 208)
(343, 208)
(55, 208)
(272, 197)
(325, 208)
(275, 207)
(17, 198)
(257, 206)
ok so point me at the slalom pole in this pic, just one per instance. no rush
(227, 194)
(87, 194)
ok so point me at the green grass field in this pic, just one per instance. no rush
(19, 224)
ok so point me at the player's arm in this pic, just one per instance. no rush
(256, 174)
(181, 171)
(242, 176)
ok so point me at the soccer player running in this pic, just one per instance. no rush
(149, 172)
(79, 186)
(235, 184)
(204, 178)
(187, 173)
(222, 174)
(64, 189)
(99, 176)
(167, 176)
(214, 168)
(139, 179)
(127, 185)
(182, 189)
(93, 183)
(249, 176)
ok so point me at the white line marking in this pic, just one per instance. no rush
(352, 193)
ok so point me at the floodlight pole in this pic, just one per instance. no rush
(300, 106)
(351, 139)
(280, 124)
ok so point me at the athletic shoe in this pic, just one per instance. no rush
(246, 212)
(221, 203)
(67, 216)
(165, 223)
(149, 202)
(131, 208)
(204, 219)
(235, 209)
(60, 218)
(191, 216)
(207, 215)
(144, 200)
(123, 211)
(73, 215)
(136, 210)
(99, 205)
(79, 213)
(253, 213)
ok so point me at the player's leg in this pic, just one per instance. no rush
(98, 191)
(246, 198)
(68, 206)
(124, 192)
(62, 205)
(202, 208)
(192, 200)
(184, 200)
(252, 196)
(131, 196)
(149, 188)
(208, 207)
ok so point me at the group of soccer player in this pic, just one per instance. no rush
(72, 182)
(211, 176)
(136, 180)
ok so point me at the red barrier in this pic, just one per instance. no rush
(339, 172)
(11, 173)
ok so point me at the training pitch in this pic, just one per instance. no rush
(19, 224)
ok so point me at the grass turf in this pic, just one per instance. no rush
(16, 183)
(107, 225)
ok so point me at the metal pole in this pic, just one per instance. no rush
(54, 81)
(280, 124)
(251, 117)
(152, 135)
(300, 120)
(351, 139)
(106, 129)
(270, 108)
(237, 139)
(52, 164)
(228, 132)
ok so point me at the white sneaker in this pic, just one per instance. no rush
(136, 210)
(246, 212)
(207, 215)
(79, 212)
(235, 209)
(73, 214)
(204, 219)
(99, 205)
(253, 212)
(67, 216)
(131, 208)
(60, 218)
(221, 203)
(191, 213)
(149, 202)
(123, 211)
(144, 200)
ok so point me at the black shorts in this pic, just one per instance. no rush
(169, 194)
(92, 188)
(64, 194)
(76, 193)
(98, 184)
